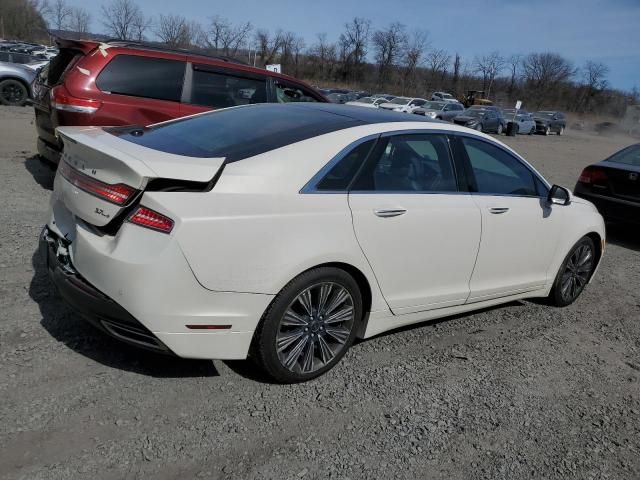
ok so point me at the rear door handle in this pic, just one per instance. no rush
(390, 212)
(497, 210)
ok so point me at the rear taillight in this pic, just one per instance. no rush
(61, 99)
(145, 217)
(118, 194)
(593, 175)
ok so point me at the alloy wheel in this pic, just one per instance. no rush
(577, 271)
(315, 327)
(12, 93)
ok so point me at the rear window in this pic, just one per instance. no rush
(221, 89)
(628, 156)
(140, 76)
(236, 133)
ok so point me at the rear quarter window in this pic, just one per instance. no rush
(146, 77)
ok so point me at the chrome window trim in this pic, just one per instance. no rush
(310, 186)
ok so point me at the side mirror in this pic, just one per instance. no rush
(559, 195)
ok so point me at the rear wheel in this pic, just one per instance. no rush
(13, 92)
(574, 273)
(309, 326)
(499, 129)
(561, 131)
(479, 127)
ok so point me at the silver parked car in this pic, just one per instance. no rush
(440, 110)
(15, 83)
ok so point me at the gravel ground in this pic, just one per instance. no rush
(519, 391)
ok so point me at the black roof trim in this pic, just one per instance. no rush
(164, 48)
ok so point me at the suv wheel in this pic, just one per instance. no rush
(309, 326)
(561, 131)
(499, 129)
(13, 92)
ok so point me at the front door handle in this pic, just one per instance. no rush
(497, 210)
(390, 212)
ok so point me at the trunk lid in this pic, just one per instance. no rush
(623, 181)
(99, 166)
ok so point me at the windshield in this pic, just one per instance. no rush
(434, 105)
(628, 156)
(366, 100)
(475, 113)
(446, 95)
(400, 100)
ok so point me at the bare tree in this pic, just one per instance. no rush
(224, 37)
(23, 19)
(595, 82)
(513, 63)
(174, 30)
(437, 61)
(268, 45)
(124, 20)
(489, 66)
(59, 14)
(353, 43)
(455, 80)
(413, 57)
(323, 54)
(79, 21)
(388, 45)
(297, 48)
(544, 73)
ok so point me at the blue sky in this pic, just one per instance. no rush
(601, 30)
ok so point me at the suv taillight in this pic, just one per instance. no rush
(145, 217)
(593, 175)
(61, 99)
(118, 194)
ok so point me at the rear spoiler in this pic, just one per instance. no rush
(85, 46)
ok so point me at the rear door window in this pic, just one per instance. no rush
(140, 76)
(215, 88)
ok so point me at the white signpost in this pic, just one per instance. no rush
(518, 104)
(276, 67)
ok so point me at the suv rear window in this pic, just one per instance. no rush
(236, 133)
(140, 76)
(218, 89)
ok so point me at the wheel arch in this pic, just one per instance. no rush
(19, 80)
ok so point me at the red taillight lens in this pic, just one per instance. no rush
(61, 99)
(593, 175)
(145, 217)
(118, 194)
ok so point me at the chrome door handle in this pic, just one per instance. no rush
(497, 210)
(390, 212)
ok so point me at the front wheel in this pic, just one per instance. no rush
(547, 131)
(561, 131)
(13, 92)
(479, 127)
(309, 326)
(499, 129)
(532, 131)
(574, 273)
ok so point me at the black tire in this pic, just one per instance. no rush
(563, 293)
(479, 127)
(547, 131)
(561, 130)
(13, 93)
(532, 131)
(499, 129)
(264, 351)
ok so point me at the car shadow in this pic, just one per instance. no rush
(624, 235)
(67, 327)
(42, 171)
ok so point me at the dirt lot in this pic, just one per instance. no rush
(520, 391)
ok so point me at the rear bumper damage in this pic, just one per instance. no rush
(142, 306)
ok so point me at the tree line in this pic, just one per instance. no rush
(392, 59)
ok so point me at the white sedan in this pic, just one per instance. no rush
(367, 102)
(403, 104)
(283, 232)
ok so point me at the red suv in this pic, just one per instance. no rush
(124, 83)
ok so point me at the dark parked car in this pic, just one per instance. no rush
(440, 110)
(126, 83)
(15, 83)
(550, 122)
(613, 185)
(482, 119)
